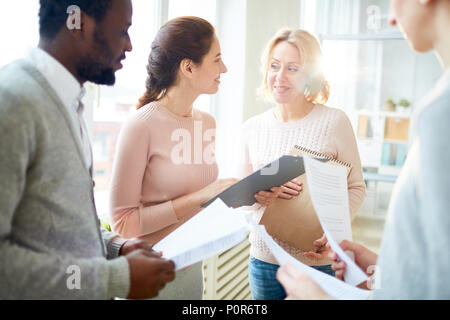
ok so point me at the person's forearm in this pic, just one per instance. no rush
(356, 196)
(188, 204)
(150, 218)
(38, 275)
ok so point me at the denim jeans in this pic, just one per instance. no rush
(263, 282)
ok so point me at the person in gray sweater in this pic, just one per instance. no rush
(51, 243)
(414, 257)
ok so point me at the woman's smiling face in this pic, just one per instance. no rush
(207, 74)
(284, 76)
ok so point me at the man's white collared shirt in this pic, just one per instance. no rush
(68, 90)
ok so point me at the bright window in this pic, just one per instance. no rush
(19, 31)
(205, 9)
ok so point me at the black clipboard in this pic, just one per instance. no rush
(272, 175)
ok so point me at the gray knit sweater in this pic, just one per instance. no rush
(414, 257)
(51, 246)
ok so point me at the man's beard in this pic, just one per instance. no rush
(91, 68)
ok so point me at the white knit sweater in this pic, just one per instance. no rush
(326, 130)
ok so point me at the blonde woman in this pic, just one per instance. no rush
(295, 84)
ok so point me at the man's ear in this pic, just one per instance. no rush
(187, 67)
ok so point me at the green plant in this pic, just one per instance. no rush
(105, 225)
(389, 105)
(390, 101)
(404, 103)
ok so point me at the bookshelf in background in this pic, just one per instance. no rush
(383, 139)
(368, 62)
(363, 76)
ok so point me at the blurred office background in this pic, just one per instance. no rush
(375, 78)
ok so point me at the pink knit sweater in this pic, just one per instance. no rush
(160, 156)
(326, 130)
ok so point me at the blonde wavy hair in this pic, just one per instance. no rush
(317, 88)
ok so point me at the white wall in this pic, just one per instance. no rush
(264, 19)
(407, 74)
(244, 28)
(428, 71)
(231, 27)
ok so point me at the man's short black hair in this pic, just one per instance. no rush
(53, 13)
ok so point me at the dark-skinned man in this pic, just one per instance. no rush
(51, 244)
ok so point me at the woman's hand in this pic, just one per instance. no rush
(287, 191)
(364, 258)
(322, 249)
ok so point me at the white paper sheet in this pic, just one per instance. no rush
(212, 231)
(329, 195)
(332, 286)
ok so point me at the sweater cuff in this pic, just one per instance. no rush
(119, 278)
(114, 245)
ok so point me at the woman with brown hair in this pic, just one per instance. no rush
(164, 166)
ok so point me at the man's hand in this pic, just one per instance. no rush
(149, 273)
(298, 285)
(135, 244)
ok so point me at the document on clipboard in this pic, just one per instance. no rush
(295, 221)
(329, 195)
(329, 198)
(272, 175)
